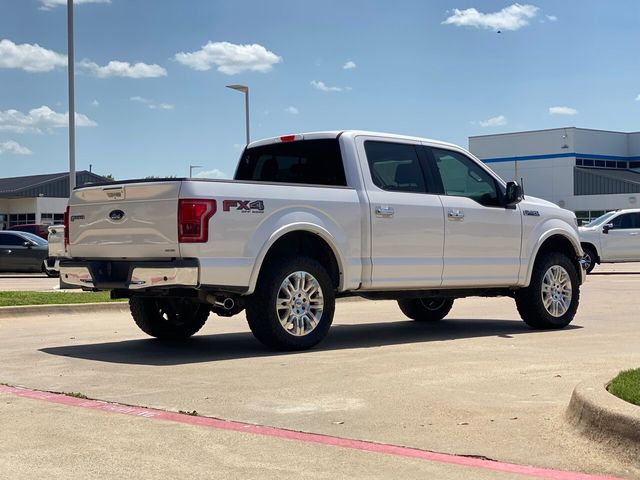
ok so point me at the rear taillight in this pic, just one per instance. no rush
(193, 219)
(66, 227)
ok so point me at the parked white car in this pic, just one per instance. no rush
(313, 216)
(611, 238)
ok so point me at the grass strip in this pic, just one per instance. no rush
(627, 386)
(12, 299)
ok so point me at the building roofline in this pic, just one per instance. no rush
(550, 130)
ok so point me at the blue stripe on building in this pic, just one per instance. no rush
(588, 156)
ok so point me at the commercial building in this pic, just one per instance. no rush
(587, 171)
(38, 198)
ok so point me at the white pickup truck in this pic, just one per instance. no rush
(315, 216)
(611, 238)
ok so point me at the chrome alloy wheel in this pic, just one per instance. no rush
(433, 304)
(299, 303)
(556, 291)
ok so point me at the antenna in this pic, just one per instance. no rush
(522, 186)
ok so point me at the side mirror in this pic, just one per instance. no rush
(513, 196)
(28, 244)
(607, 227)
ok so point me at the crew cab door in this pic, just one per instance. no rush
(622, 242)
(482, 240)
(407, 223)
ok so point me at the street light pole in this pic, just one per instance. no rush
(191, 167)
(245, 90)
(72, 107)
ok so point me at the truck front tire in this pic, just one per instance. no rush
(168, 318)
(590, 258)
(426, 309)
(551, 299)
(293, 304)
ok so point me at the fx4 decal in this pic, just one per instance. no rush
(245, 206)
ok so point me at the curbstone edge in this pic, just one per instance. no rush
(605, 418)
(67, 308)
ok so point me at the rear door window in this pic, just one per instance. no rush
(314, 162)
(395, 166)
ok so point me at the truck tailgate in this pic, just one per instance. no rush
(137, 220)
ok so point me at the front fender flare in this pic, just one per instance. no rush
(574, 239)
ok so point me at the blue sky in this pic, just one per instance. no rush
(436, 69)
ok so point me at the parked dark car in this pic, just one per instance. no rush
(22, 252)
(40, 230)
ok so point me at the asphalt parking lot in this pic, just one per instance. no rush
(480, 383)
(31, 282)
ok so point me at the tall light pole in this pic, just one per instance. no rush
(72, 107)
(191, 167)
(245, 90)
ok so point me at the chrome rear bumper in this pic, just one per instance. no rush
(109, 275)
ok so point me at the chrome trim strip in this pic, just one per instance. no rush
(159, 277)
(76, 276)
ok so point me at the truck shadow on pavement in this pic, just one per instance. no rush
(230, 346)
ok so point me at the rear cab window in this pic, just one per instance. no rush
(395, 166)
(311, 162)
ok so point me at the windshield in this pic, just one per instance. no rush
(34, 238)
(600, 220)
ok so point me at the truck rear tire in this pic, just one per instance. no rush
(426, 309)
(293, 305)
(168, 318)
(551, 299)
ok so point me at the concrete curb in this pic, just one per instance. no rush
(62, 309)
(605, 418)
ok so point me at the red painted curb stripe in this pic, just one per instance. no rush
(363, 445)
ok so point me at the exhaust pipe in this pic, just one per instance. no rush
(227, 303)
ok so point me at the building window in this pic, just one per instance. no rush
(21, 219)
(634, 164)
(4, 221)
(583, 162)
(52, 218)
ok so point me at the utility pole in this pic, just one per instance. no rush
(72, 107)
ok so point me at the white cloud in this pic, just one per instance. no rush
(638, 98)
(215, 173)
(292, 110)
(28, 57)
(325, 88)
(493, 122)
(49, 4)
(39, 120)
(349, 65)
(512, 17)
(552, 18)
(116, 68)
(13, 148)
(562, 111)
(95, 103)
(151, 104)
(230, 58)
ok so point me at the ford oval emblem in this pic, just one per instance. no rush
(116, 215)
